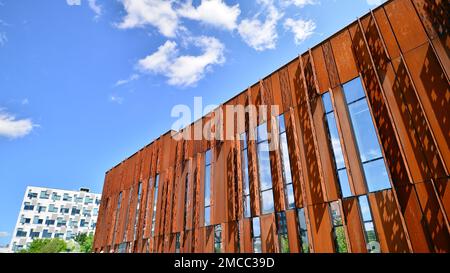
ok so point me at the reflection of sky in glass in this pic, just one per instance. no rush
(281, 124)
(247, 206)
(256, 227)
(207, 216)
(245, 171)
(267, 201)
(369, 227)
(327, 102)
(208, 157)
(335, 143)
(285, 159)
(257, 245)
(376, 175)
(207, 184)
(243, 138)
(261, 133)
(343, 181)
(290, 196)
(365, 209)
(364, 130)
(265, 176)
(353, 90)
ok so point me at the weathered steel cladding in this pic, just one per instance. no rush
(401, 53)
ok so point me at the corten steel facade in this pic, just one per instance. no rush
(363, 162)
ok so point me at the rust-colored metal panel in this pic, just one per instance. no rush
(443, 189)
(296, 84)
(433, 91)
(343, 55)
(245, 227)
(230, 236)
(387, 33)
(209, 239)
(352, 216)
(435, 219)
(387, 221)
(405, 24)
(269, 238)
(330, 65)
(321, 69)
(292, 229)
(321, 228)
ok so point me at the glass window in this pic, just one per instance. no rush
(286, 164)
(283, 239)
(303, 232)
(137, 210)
(177, 242)
(186, 200)
(119, 203)
(28, 206)
(32, 195)
(336, 146)
(265, 175)
(34, 234)
(67, 197)
(376, 175)
(218, 238)
(267, 201)
(41, 208)
(52, 208)
(44, 195)
(338, 228)
(46, 234)
(372, 244)
(56, 196)
(207, 189)
(245, 177)
(353, 90)
(155, 197)
(366, 137)
(21, 233)
(256, 234)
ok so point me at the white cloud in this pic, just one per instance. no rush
(302, 29)
(125, 81)
(11, 127)
(298, 3)
(261, 35)
(25, 101)
(4, 234)
(97, 9)
(214, 12)
(375, 2)
(158, 13)
(3, 38)
(73, 2)
(116, 99)
(184, 70)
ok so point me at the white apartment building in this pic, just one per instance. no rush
(53, 213)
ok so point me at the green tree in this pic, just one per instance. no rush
(54, 245)
(85, 241)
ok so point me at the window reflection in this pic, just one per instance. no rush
(285, 163)
(303, 232)
(265, 175)
(336, 146)
(366, 137)
(244, 167)
(373, 246)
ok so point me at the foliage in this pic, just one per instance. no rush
(54, 245)
(340, 240)
(85, 241)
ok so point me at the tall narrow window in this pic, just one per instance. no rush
(119, 203)
(207, 188)
(265, 175)
(245, 183)
(126, 216)
(283, 240)
(155, 197)
(187, 200)
(373, 246)
(338, 228)
(336, 145)
(177, 242)
(218, 238)
(147, 198)
(256, 235)
(285, 163)
(364, 130)
(302, 230)
(138, 207)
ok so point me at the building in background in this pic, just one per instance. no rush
(53, 213)
(362, 163)
(5, 249)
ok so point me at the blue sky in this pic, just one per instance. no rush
(86, 83)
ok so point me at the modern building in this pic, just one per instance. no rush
(5, 249)
(53, 213)
(356, 159)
